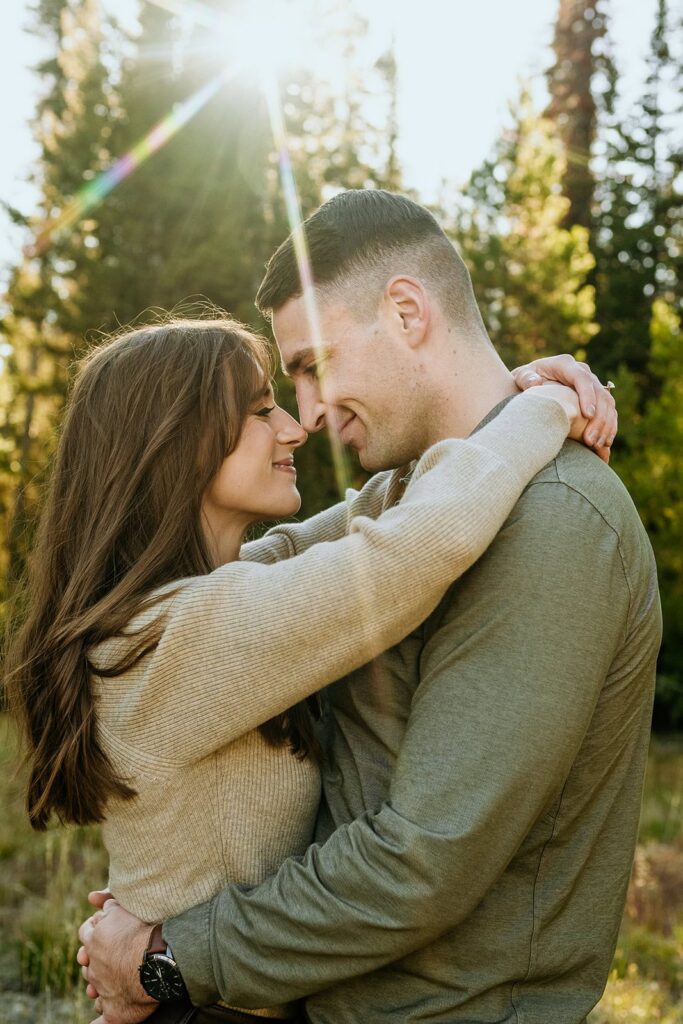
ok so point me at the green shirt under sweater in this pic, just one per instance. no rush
(484, 780)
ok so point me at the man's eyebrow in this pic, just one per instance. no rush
(301, 356)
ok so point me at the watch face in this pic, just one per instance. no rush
(160, 978)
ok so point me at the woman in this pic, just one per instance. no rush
(162, 683)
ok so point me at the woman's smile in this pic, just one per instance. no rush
(286, 464)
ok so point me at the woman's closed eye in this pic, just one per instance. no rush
(265, 411)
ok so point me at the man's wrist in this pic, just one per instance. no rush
(189, 936)
(159, 974)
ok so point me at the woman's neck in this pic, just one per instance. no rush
(224, 536)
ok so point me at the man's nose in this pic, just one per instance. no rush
(311, 409)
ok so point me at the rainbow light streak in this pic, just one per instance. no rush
(293, 206)
(93, 193)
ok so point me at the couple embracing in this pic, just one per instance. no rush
(382, 765)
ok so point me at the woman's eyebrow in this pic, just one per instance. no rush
(266, 390)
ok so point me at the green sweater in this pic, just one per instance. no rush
(481, 793)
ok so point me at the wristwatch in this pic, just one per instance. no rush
(159, 973)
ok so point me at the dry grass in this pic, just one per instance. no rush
(44, 880)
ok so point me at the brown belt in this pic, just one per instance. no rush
(183, 1012)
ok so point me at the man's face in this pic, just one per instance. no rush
(357, 381)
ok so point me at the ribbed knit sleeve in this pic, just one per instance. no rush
(292, 538)
(247, 641)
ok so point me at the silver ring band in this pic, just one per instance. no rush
(609, 386)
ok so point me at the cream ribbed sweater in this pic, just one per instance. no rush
(215, 803)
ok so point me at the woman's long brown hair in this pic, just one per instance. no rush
(151, 417)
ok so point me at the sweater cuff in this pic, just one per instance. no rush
(189, 936)
(527, 434)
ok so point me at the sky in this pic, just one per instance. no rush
(459, 64)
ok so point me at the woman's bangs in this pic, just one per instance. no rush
(254, 367)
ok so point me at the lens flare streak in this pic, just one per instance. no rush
(92, 194)
(294, 216)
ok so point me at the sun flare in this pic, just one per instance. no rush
(273, 37)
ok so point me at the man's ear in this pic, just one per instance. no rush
(407, 304)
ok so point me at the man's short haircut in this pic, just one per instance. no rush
(357, 241)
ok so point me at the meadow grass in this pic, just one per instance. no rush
(44, 879)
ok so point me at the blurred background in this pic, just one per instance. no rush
(148, 152)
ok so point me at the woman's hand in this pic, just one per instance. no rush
(596, 402)
(569, 400)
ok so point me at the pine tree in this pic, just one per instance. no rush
(579, 29)
(389, 71)
(634, 213)
(529, 271)
(71, 120)
(650, 461)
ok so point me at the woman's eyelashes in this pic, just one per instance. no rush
(265, 411)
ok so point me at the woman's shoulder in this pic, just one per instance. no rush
(150, 618)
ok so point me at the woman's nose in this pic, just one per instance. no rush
(290, 431)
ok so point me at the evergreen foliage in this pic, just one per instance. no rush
(635, 213)
(579, 29)
(636, 236)
(70, 124)
(650, 461)
(529, 270)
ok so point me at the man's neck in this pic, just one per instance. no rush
(479, 383)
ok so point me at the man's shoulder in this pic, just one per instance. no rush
(579, 515)
(578, 483)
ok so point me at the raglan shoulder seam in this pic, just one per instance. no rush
(560, 480)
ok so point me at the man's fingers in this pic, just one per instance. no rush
(599, 446)
(99, 897)
(602, 429)
(86, 930)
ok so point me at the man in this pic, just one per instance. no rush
(483, 779)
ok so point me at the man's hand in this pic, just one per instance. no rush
(113, 943)
(596, 402)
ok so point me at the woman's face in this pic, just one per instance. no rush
(257, 480)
